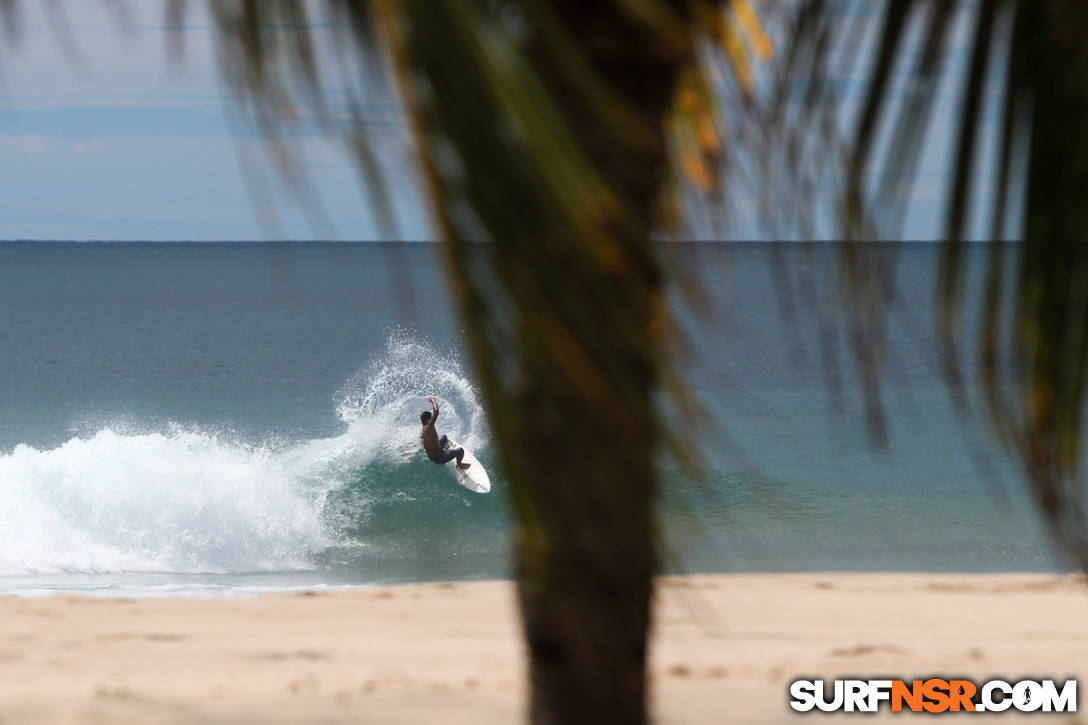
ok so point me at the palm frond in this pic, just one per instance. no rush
(1032, 356)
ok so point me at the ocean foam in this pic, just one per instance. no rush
(188, 501)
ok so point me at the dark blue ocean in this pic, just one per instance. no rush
(229, 418)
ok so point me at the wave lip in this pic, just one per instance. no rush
(383, 401)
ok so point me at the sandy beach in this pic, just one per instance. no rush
(724, 648)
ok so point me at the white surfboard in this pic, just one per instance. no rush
(475, 478)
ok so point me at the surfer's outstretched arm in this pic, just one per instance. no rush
(434, 409)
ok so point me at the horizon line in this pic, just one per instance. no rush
(439, 241)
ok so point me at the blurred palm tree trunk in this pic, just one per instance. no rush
(586, 549)
(579, 325)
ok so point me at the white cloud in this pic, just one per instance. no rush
(12, 147)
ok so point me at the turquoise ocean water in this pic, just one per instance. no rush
(234, 418)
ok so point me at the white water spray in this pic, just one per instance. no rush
(189, 501)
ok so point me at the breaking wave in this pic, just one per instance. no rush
(189, 500)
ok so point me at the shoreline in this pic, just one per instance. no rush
(231, 591)
(724, 647)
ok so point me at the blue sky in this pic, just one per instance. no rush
(119, 143)
(112, 141)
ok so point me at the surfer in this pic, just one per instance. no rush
(438, 449)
